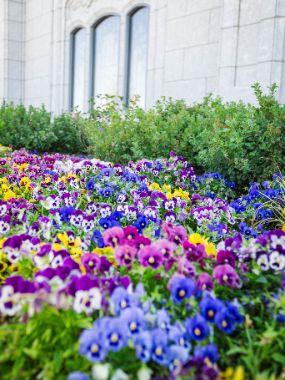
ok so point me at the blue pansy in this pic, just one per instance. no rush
(232, 185)
(270, 194)
(233, 312)
(178, 355)
(197, 327)
(122, 299)
(105, 223)
(76, 375)
(209, 307)
(115, 334)
(162, 319)
(224, 321)
(143, 221)
(182, 288)
(215, 175)
(90, 185)
(106, 191)
(134, 317)
(143, 346)
(207, 352)
(160, 351)
(92, 345)
(117, 216)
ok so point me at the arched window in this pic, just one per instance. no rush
(106, 40)
(77, 68)
(137, 54)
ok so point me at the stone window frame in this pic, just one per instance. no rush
(129, 15)
(71, 63)
(92, 49)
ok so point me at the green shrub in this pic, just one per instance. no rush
(242, 142)
(35, 129)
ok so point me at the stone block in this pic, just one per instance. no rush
(211, 85)
(194, 6)
(268, 8)
(14, 89)
(249, 11)
(263, 74)
(45, 86)
(248, 42)
(201, 61)
(42, 25)
(15, 70)
(215, 25)
(189, 90)
(33, 48)
(228, 47)
(15, 51)
(280, 11)
(246, 75)
(15, 11)
(187, 31)
(160, 38)
(150, 89)
(152, 41)
(230, 13)
(279, 39)
(174, 61)
(29, 28)
(266, 39)
(15, 31)
(158, 84)
(176, 8)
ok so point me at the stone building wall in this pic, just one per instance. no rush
(195, 47)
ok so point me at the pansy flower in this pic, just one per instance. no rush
(197, 327)
(92, 345)
(182, 288)
(150, 256)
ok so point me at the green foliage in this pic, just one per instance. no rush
(36, 129)
(46, 348)
(242, 142)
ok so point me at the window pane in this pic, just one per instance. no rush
(107, 36)
(138, 55)
(79, 69)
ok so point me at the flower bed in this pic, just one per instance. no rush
(143, 272)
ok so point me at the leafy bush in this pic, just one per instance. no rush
(34, 129)
(242, 142)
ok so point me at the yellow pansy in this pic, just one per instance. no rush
(4, 187)
(76, 258)
(63, 179)
(196, 239)
(69, 243)
(24, 181)
(154, 186)
(9, 195)
(233, 374)
(104, 251)
(3, 266)
(29, 187)
(56, 247)
(210, 249)
(167, 188)
(283, 228)
(169, 196)
(47, 180)
(76, 251)
(63, 238)
(2, 242)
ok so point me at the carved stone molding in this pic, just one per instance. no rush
(76, 4)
